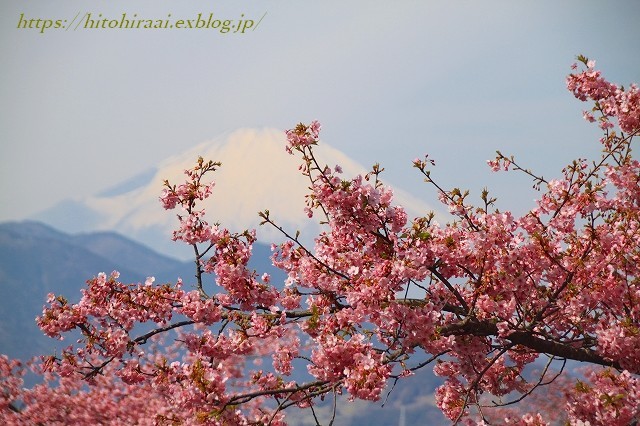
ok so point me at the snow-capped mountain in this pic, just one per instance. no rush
(256, 174)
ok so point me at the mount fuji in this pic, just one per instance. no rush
(256, 174)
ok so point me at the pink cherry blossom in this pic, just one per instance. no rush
(376, 297)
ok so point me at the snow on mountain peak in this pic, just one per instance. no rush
(256, 174)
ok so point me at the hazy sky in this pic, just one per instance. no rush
(83, 109)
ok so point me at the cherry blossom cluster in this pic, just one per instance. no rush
(193, 229)
(484, 299)
(607, 398)
(302, 136)
(611, 100)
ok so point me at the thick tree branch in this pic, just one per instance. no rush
(475, 327)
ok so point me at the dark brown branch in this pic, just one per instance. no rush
(452, 289)
(474, 327)
(242, 398)
(143, 339)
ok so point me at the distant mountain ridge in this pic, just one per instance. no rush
(36, 259)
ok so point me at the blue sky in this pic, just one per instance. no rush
(81, 111)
